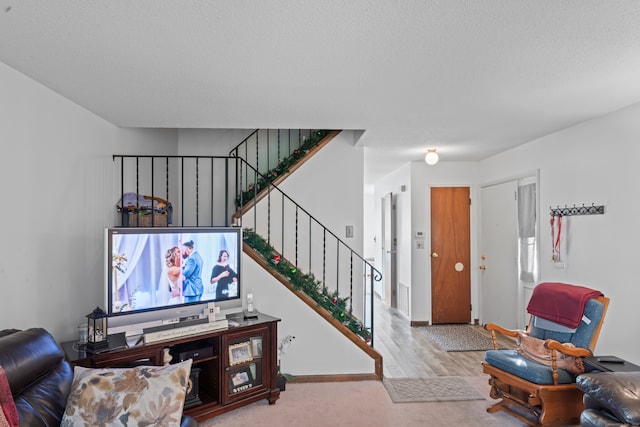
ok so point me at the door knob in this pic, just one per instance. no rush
(435, 255)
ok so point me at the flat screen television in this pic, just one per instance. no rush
(160, 276)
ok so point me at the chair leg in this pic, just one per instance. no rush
(511, 404)
(525, 415)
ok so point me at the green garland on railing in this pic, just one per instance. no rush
(307, 283)
(283, 167)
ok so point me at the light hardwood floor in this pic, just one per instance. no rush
(407, 353)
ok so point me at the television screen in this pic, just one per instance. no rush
(158, 268)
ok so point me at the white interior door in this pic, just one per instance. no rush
(389, 252)
(499, 254)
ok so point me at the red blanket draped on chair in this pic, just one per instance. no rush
(560, 302)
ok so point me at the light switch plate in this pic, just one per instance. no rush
(349, 231)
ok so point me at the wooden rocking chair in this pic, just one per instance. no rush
(534, 392)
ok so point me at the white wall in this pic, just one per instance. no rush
(330, 186)
(318, 348)
(210, 142)
(57, 173)
(593, 162)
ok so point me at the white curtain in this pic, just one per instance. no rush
(527, 230)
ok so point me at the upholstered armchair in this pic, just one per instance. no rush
(537, 382)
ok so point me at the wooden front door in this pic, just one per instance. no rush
(450, 255)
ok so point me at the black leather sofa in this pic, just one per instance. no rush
(39, 376)
(610, 399)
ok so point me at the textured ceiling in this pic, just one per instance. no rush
(472, 78)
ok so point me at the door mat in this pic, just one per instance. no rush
(458, 337)
(438, 389)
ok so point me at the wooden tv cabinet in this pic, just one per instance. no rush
(232, 367)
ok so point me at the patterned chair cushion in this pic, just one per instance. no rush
(142, 395)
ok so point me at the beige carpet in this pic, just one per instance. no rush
(362, 403)
(438, 389)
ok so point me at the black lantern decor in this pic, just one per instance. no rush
(97, 325)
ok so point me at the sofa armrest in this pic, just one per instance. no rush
(617, 392)
(38, 374)
(27, 356)
(593, 418)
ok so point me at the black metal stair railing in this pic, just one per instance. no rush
(206, 190)
(272, 152)
(312, 257)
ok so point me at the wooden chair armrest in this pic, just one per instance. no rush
(556, 347)
(497, 328)
(569, 351)
(493, 328)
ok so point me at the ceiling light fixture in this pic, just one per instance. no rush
(432, 156)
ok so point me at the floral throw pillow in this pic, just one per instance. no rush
(138, 396)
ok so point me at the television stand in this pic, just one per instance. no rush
(232, 367)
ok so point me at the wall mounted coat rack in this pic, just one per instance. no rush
(577, 210)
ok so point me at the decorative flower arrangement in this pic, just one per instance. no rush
(308, 284)
(283, 347)
(118, 261)
(120, 306)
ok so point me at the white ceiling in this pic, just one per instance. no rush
(469, 77)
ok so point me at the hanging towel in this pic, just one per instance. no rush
(560, 302)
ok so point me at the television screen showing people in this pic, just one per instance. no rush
(153, 270)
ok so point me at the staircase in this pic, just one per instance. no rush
(280, 235)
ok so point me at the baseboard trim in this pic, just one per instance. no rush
(332, 378)
(416, 323)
